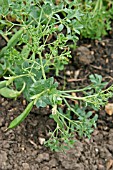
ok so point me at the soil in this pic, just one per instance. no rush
(22, 149)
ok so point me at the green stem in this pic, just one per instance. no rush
(70, 107)
(15, 77)
(37, 96)
(72, 97)
(98, 5)
(11, 79)
(24, 85)
(77, 90)
(11, 72)
(73, 122)
(42, 66)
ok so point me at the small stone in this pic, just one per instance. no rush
(105, 153)
(1, 121)
(112, 56)
(87, 141)
(41, 140)
(42, 157)
(3, 158)
(109, 108)
(96, 132)
(26, 166)
(6, 144)
(92, 52)
(35, 166)
(5, 103)
(45, 168)
(96, 150)
(24, 102)
(101, 167)
(68, 72)
(53, 163)
(84, 55)
(103, 43)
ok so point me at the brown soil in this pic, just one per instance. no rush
(21, 149)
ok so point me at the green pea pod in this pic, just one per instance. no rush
(22, 116)
(3, 84)
(12, 42)
(9, 93)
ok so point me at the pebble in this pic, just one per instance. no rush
(42, 157)
(41, 140)
(101, 167)
(85, 56)
(5, 144)
(53, 163)
(5, 103)
(1, 121)
(96, 150)
(45, 168)
(3, 158)
(26, 166)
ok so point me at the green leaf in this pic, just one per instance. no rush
(60, 27)
(89, 114)
(47, 9)
(40, 103)
(43, 101)
(4, 4)
(21, 117)
(42, 85)
(3, 84)
(2, 70)
(95, 78)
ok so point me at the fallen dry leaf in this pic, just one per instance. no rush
(109, 108)
(109, 164)
(76, 74)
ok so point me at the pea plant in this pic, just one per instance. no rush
(97, 16)
(37, 35)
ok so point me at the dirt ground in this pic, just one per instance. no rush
(21, 148)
